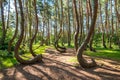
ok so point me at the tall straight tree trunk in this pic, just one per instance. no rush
(103, 30)
(43, 19)
(106, 19)
(81, 21)
(111, 27)
(116, 9)
(77, 27)
(48, 32)
(7, 26)
(80, 58)
(87, 16)
(69, 29)
(73, 16)
(2, 40)
(30, 19)
(55, 35)
(117, 21)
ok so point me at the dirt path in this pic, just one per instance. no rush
(58, 67)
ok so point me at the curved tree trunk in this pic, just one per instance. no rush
(17, 46)
(80, 58)
(16, 30)
(90, 14)
(36, 30)
(57, 46)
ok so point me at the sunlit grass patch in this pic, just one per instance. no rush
(112, 54)
(105, 53)
(26, 56)
(37, 49)
(40, 49)
(7, 62)
(73, 59)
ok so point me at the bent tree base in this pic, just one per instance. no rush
(83, 62)
(87, 64)
(17, 46)
(38, 58)
(59, 48)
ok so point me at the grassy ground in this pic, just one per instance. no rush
(6, 61)
(113, 54)
(102, 53)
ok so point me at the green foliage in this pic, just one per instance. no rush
(40, 49)
(115, 39)
(118, 33)
(112, 54)
(3, 53)
(97, 39)
(8, 62)
(9, 34)
(7, 39)
(102, 53)
(5, 47)
(5, 60)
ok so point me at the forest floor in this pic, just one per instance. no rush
(58, 66)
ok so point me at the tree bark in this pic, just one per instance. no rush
(91, 39)
(69, 29)
(57, 46)
(103, 30)
(80, 58)
(36, 30)
(16, 30)
(77, 27)
(2, 40)
(17, 46)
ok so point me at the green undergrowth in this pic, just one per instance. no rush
(9, 61)
(101, 53)
(37, 50)
(113, 54)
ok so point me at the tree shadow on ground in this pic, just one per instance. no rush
(55, 69)
(101, 72)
